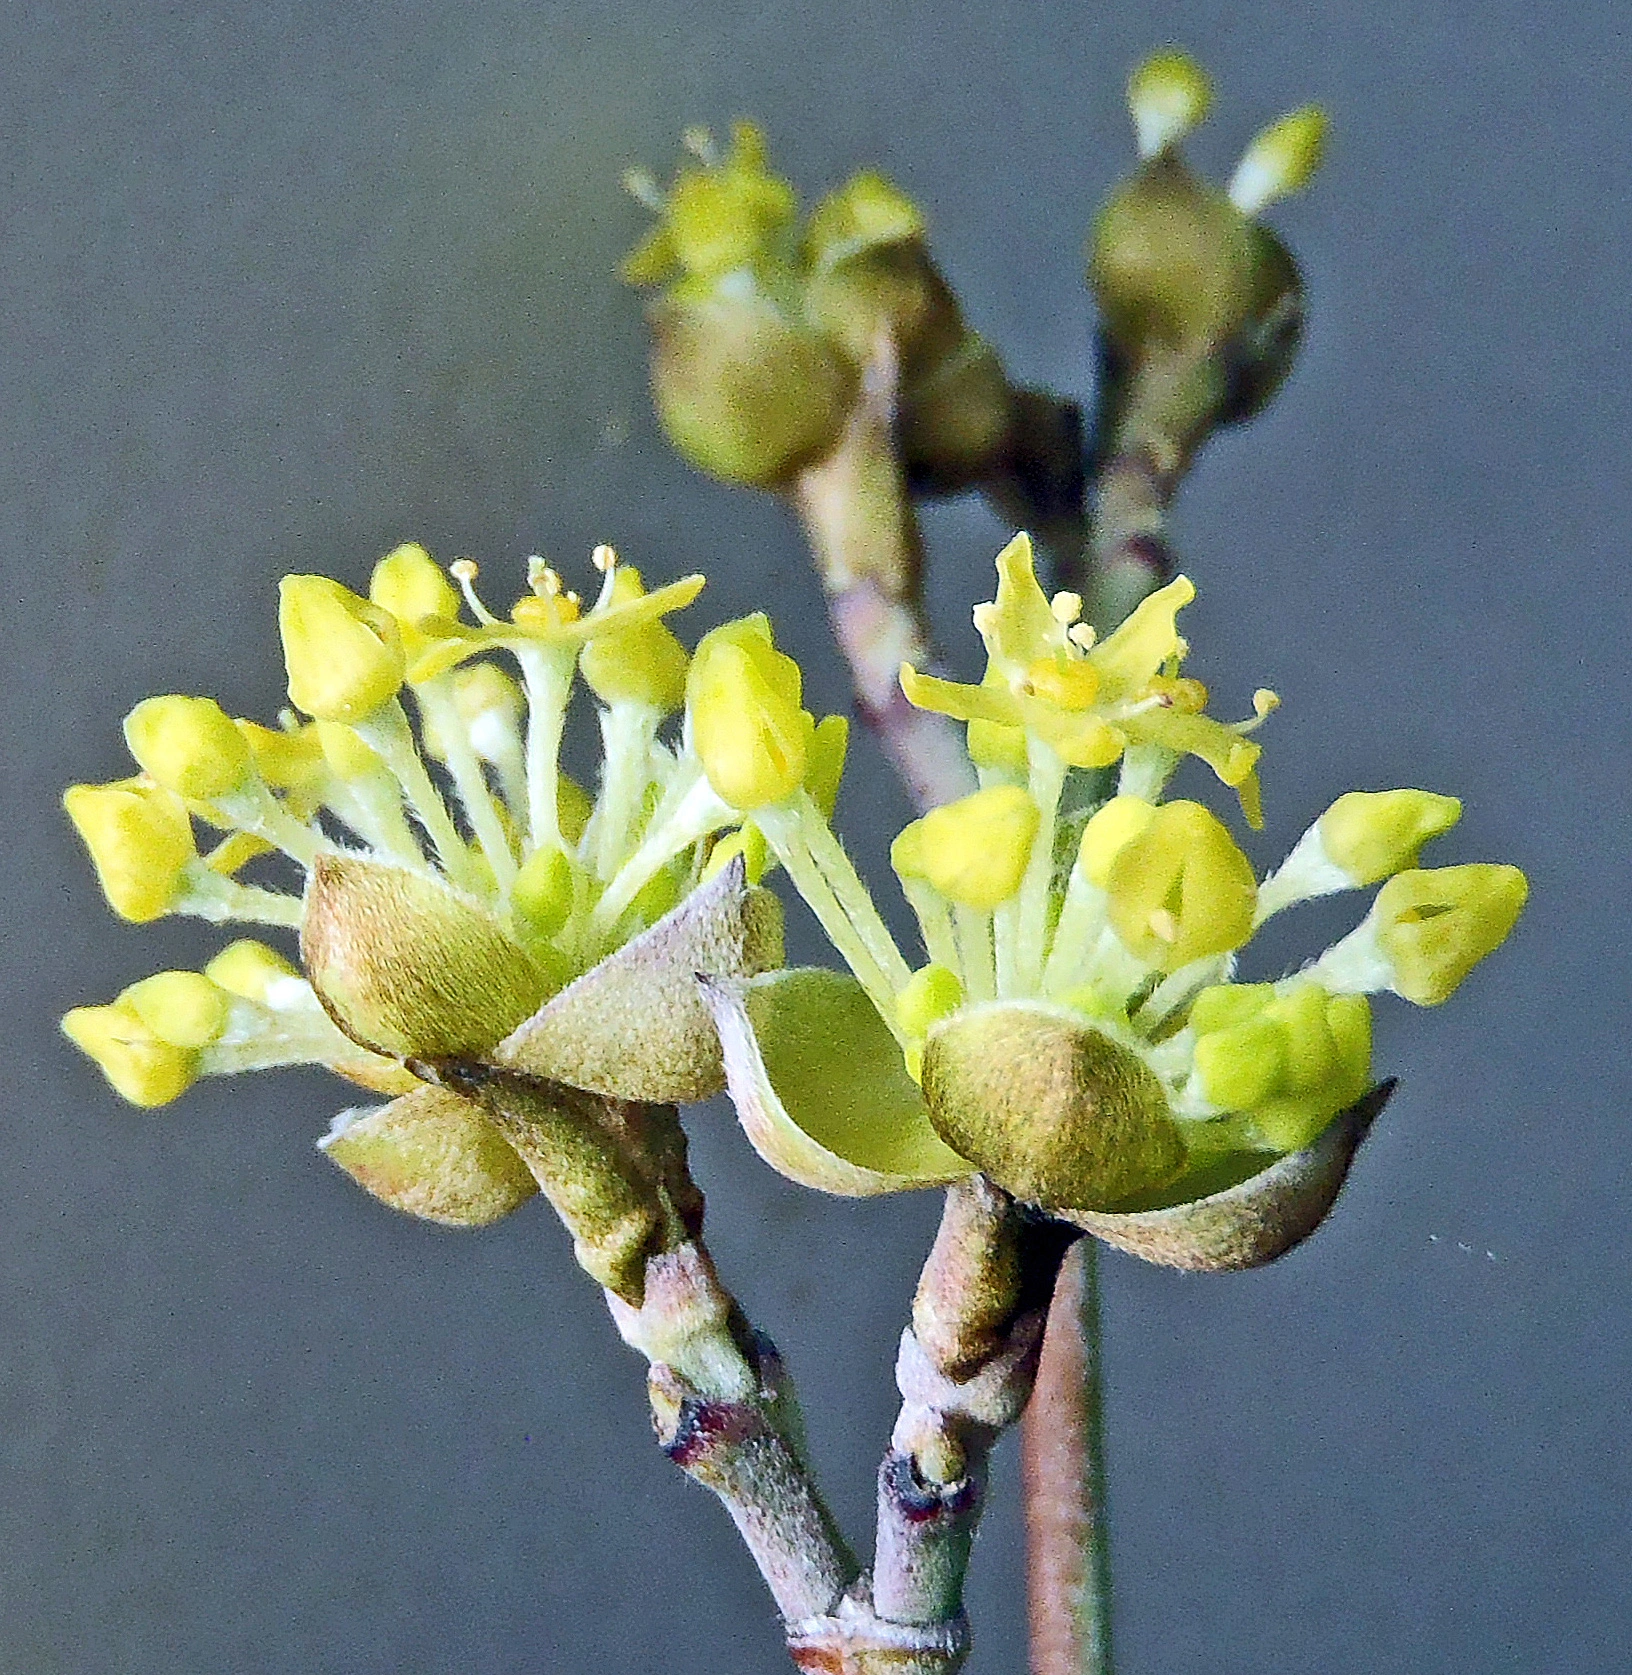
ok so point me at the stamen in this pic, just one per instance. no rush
(464, 571)
(604, 558)
(1065, 608)
(1082, 636)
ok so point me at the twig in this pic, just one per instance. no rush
(722, 1405)
(857, 516)
(965, 1371)
(1062, 1461)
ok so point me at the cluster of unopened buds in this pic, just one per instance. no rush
(1073, 1030)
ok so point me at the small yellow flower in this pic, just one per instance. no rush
(1371, 835)
(1290, 1056)
(141, 842)
(344, 655)
(644, 664)
(140, 1064)
(188, 745)
(1180, 889)
(974, 851)
(747, 725)
(1088, 702)
(1434, 925)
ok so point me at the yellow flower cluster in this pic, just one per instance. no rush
(453, 876)
(1082, 931)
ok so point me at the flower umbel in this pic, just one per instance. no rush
(1077, 1033)
(765, 320)
(463, 900)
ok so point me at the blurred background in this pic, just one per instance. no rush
(285, 284)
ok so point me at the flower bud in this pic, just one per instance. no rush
(1290, 1059)
(1180, 889)
(543, 893)
(742, 391)
(867, 214)
(746, 724)
(1053, 1111)
(1108, 831)
(182, 1007)
(573, 807)
(748, 841)
(643, 665)
(1434, 925)
(343, 654)
(1001, 748)
(189, 745)
(432, 1154)
(253, 971)
(932, 993)
(347, 756)
(411, 585)
(1171, 260)
(290, 760)
(1169, 95)
(141, 1066)
(140, 841)
(721, 217)
(871, 276)
(973, 851)
(1280, 161)
(1371, 835)
(408, 968)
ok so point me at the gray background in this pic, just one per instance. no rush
(284, 284)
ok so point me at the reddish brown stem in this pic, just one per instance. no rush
(1062, 1467)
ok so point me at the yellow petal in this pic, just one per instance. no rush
(1135, 653)
(961, 702)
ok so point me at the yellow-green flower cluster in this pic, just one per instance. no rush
(1176, 261)
(765, 320)
(452, 878)
(1078, 985)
